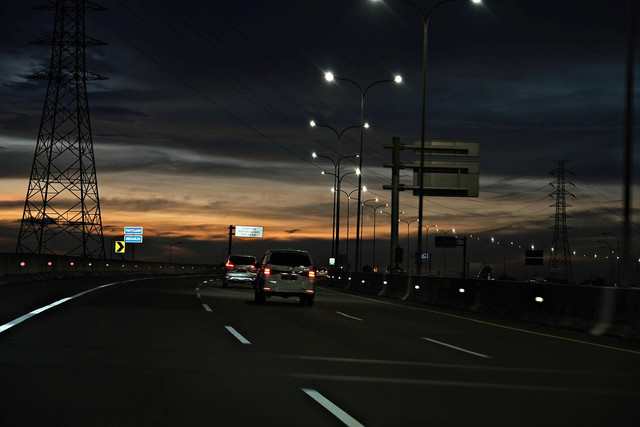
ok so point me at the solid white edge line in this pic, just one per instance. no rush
(206, 307)
(350, 317)
(236, 334)
(21, 319)
(457, 348)
(331, 407)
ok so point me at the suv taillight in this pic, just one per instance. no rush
(312, 274)
(229, 264)
(267, 271)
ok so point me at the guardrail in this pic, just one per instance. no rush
(595, 309)
(26, 267)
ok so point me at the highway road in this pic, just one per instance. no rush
(185, 352)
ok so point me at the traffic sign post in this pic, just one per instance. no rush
(132, 235)
(133, 238)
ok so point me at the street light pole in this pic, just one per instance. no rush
(617, 256)
(375, 208)
(425, 20)
(337, 181)
(362, 225)
(427, 244)
(408, 238)
(363, 92)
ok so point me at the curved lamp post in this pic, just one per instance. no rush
(375, 208)
(336, 189)
(408, 237)
(427, 245)
(335, 246)
(363, 91)
(425, 20)
(363, 204)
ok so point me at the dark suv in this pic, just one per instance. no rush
(240, 268)
(285, 273)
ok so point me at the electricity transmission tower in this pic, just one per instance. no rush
(62, 208)
(560, 258)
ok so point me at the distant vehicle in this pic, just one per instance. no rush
(286, 273)
(321, 272)
(240, 269)
(486, 273)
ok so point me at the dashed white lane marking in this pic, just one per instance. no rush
(350, 317)
(457, 348)
(331, 407)
(236, 334)
(206, 307)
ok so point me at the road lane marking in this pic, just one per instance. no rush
(331, 407)
(466, 384)
(21, 319)
(482, 322)
(457, 348)
(236, 334)
(350, 317)
(206, 307)
(456, 366)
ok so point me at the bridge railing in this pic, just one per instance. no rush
(24, 267)
(597, 309)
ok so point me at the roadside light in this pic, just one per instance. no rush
(328, 76)
(398, 79)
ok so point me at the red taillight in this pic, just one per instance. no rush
(267, 271)
(229, 264)
(312, 274)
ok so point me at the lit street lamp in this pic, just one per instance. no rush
(337, 182)
(617, 255)
(348, 215)
(427, 244)
(375, 208)
(330, 77)
(444, 268)
(408, 237)
(611, 252)
(425, 20)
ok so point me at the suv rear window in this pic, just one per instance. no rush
(242, 260)
(292, 259)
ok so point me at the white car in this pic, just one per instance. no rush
(285, 273)
(240, 269)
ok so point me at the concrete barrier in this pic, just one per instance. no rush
(591, 308)
(27, 267)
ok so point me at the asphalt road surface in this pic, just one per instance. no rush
(187, 352)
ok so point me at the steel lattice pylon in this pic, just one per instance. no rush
(62, 207)
(560, 259)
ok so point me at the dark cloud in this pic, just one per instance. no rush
(222, 92)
